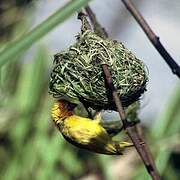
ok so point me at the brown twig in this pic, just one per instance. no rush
(97, 27)
(136, 138)
(152, 37)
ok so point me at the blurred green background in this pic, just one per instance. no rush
(30, 145)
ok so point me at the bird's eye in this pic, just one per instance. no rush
(68, 106)
(71, 106)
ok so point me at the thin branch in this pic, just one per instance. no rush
(97, 27)
(136, 138)
(152, 37)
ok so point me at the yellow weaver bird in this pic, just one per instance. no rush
(84, 132)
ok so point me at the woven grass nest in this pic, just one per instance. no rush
(77, 73)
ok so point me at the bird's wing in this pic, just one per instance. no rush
(88, 133)
(85, 130)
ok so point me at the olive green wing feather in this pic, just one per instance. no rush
(90, 135)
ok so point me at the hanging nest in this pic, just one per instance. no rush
(78, 74)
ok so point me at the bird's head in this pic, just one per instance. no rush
(62, 109)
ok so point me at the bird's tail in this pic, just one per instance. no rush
(121, 146)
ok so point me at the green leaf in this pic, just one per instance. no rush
(17, 47)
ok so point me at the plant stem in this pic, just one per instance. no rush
(152, 37)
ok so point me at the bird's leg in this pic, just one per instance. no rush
(89, 113)
(87, 110)
(97, 117)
